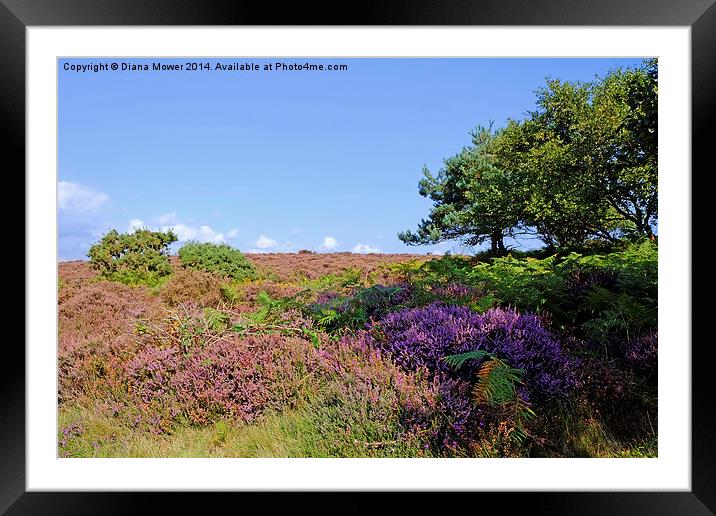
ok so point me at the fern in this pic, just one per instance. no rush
(496, 386)
(497, 383)
(328, 318)
(457, 361)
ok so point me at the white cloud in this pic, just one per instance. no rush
(79, 199)
(80, 222)
(134, 225)
(232, 233)
(329, 243)
(202, 233)
(265, 242)
(365, 249)
(184, 232)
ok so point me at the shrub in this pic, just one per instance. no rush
(220, 259)
(423, 337)
(189, 285)
(232, 377)
(133, 258)
(641, 352)
(388, 410)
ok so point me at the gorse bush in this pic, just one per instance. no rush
(220, 259)
(133, 258)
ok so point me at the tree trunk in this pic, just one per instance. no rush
(497, 244)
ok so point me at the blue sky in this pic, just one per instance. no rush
(277, 161)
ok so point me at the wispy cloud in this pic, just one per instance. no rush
(167, 218)
(79, 199)
(134, 225)
(81, 210)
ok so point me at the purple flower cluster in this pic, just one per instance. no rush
(455, 291)
(365, 383)
(641, 352)
(70, 431)
(422, 337)
(231, 377)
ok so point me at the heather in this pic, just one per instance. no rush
(367, 356)
(423, 337)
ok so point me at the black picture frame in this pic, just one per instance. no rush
(16, 15)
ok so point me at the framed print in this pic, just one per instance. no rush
(233, 285)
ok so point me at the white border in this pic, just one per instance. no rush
(670, 471)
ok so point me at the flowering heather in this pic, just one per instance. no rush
(96, 322)
(580, 280)
(75, 271)
(327, 355)
(188, 285)
(457, 291)
(422, 337)
(249, 291)
(292, 266)
(231, 377)
(370, 394)
(641, 352)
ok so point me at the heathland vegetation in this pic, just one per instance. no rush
(546, 353)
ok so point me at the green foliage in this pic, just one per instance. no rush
(133, 258)
(473, 196)
(582, 166)
(270, 310)
(496, 385)
(220, 259)
(352, 312)
(587, 158)
(270, 318)
(348, 278)
(602, 297)
(216, 320)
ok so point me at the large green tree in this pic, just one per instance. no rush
(589, 152)
(474, 199)
(581, 166)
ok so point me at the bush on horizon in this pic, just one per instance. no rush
(221, 259)
(133, 258)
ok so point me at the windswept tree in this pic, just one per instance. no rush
(590, 153)
(474, 199)
(582, 166)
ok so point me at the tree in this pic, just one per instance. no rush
(589, 152)
(474, 199)
(581, 166)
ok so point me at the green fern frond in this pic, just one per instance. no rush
(457, 361)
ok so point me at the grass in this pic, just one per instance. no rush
(294, 433)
